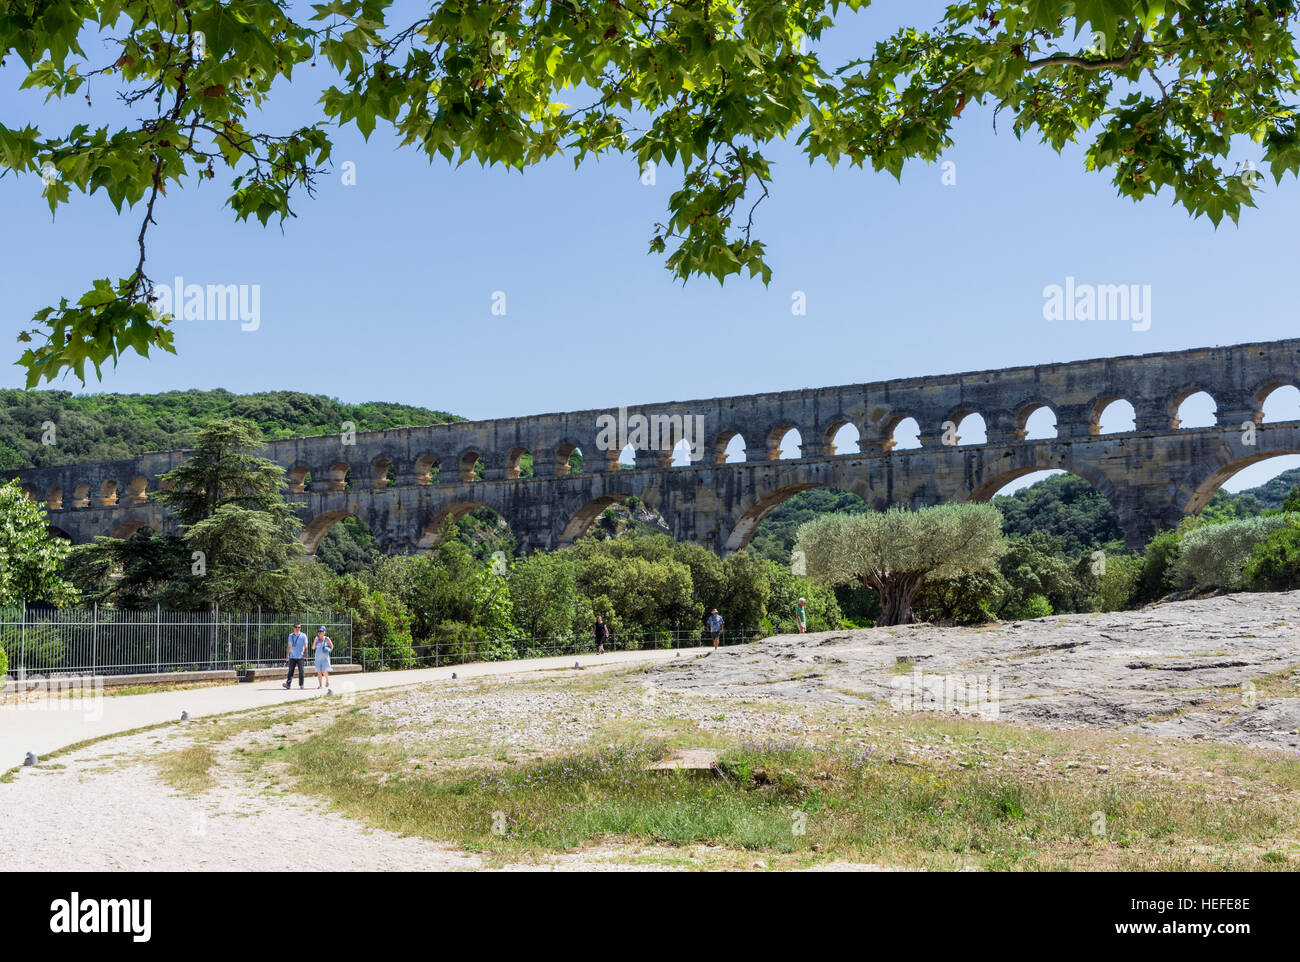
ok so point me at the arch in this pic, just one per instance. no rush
(81, 495)
(778, 443)
(1046, 461)
(56, 532)
(514, 465)
(1270, 407)
(1204, 491)
(582, 519)
(744, 528)
(837, 436)
(315, 529)
(1193, 408)
(137, 492)
(728, 447)
(29, 492)
(298, 478)
(467, 465)
(128, 529)
(426, 469)
(789, 445)
(1034, 421)
(997, 487)
(1119, 414)
(338, 475)
(108, 494)
(902, 433)
(564, 463)
(627, 458)
(683, 454)
(380, 468)
(54, 498)
(969, 427)
(431, 536)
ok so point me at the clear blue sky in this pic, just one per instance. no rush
(383, 290)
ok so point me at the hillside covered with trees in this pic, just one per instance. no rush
(101, 427)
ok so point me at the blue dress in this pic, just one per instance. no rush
(322, 657)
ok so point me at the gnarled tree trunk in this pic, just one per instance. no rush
(896, 593)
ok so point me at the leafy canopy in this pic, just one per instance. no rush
(1156, 89)
(31, 559)
(895, 552)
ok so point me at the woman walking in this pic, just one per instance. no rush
(322, 646)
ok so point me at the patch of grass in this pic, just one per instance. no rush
(854, 804)
(189, 769)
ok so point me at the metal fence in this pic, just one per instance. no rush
(108, 641)
(461, 651)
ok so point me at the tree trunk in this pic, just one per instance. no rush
(896, 594)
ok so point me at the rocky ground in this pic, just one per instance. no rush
(1220, 668)
(1223, 669)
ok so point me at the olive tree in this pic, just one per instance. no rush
(1216, 555)
(895, 552)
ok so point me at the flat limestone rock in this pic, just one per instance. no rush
(687, 759)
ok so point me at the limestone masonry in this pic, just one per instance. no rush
(1152, 475)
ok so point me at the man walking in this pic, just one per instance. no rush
(801, 615)
(602, 635)
(715, 627)
(295, 653)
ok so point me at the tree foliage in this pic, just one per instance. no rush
(1156, 89)
(106, 427)
(31, 560)
(894, 552)
(1274, 563)
(1214, 555)
(237, 533)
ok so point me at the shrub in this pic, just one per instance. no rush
(1274, 563)
(1155, 578)
(1035, 606)
(4, 666)
(1214, 556)
(1117, 583)
(969, 599)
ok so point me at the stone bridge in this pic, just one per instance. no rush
(407, 483)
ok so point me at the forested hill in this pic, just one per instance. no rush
(99, 427)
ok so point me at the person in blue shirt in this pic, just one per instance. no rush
(715, 627)
(295, 653)
(322, 646)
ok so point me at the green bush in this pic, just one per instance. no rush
(970, 599)
(1117, 583)
(1155, 578)
(1213, 556)
(4, 666)
(1274, 563)
(1035, 606)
